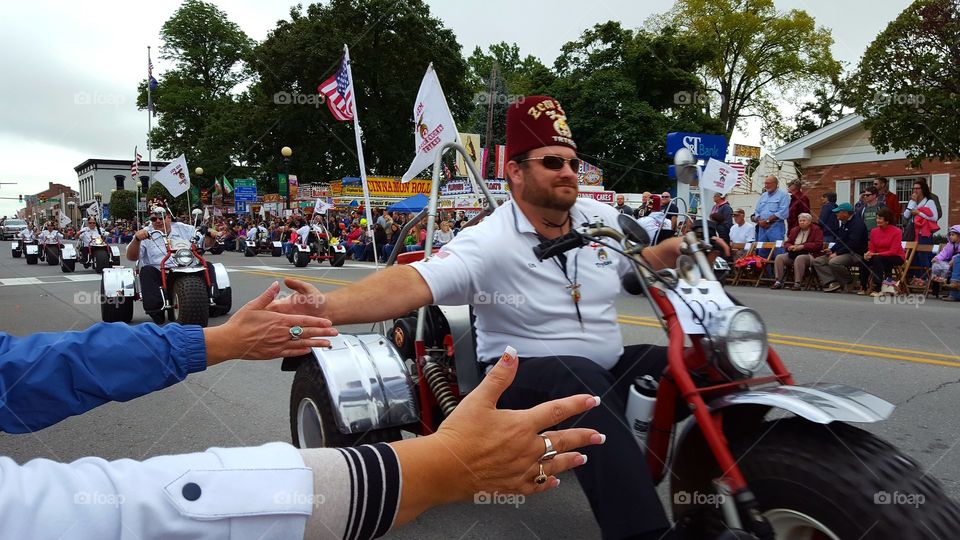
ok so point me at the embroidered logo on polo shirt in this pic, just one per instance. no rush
(603, 258)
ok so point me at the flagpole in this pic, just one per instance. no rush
(149, 120)
(363, 167)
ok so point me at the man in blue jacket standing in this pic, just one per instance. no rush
(772, 212)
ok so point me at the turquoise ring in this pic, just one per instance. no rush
(295, 333)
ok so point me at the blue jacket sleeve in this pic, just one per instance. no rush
(47, 377)
(783, 207)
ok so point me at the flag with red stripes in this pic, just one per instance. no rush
(741, 172)
(338, 90)
(135, 168)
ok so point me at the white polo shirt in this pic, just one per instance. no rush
(153, 250)
(525, 303)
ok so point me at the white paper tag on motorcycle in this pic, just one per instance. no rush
(704, 301)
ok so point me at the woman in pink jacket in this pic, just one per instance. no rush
(884, 251)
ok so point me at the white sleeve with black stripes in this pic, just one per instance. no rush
(356, 491)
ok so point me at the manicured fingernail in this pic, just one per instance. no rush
(509, 356)
(598, 438)
(583, 459)
(593, 401)
(556, 482)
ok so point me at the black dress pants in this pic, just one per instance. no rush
(615, 478)
(150, 290)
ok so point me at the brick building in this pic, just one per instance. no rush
(840, 158)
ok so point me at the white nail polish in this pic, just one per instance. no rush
(603, 438)
(584, 456)
(597, 399)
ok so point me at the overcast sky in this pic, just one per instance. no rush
(70, 69)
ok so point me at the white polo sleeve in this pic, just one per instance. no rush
(237, 493)
(454, 273)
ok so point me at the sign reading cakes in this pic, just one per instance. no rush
(552, 111)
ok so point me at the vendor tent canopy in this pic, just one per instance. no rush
(415, 203)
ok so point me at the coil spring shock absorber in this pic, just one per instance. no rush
(437, 381)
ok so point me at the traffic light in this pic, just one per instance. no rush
(21, 198)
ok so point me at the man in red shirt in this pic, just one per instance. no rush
(888, 199)
(799, 204)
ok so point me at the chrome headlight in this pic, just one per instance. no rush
(183, 257)
(739, 339)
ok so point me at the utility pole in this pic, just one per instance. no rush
(488, 140)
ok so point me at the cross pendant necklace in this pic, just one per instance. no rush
(575, 292)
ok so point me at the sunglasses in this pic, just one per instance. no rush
(555, 163)
(155, 218)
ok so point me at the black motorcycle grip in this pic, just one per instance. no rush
(552, 248)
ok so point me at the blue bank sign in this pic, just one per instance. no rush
(702, 145)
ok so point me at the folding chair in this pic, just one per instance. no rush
(734, 248)
(901, 272)
(771, 248)
(925, 272)
(811, 282)
(738, 273)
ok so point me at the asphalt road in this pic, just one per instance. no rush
(908, 354)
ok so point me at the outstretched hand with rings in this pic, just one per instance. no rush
(508, 451)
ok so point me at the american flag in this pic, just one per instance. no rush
(741, 170)
(135, 168)
(151, 85)
(339, 92)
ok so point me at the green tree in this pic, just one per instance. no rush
(907, 85)
(197, 102)
(391, 45)
(617, 87)
(123, 204)
(825, 107)
(759, 53)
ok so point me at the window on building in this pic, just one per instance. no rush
(861, 185)
(905, 187)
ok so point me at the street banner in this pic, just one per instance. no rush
(501, 166)
(470, 141)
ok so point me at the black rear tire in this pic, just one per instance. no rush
(249, 252)
(338, 259)
(190, 300)
(67, 266)
(216, 249)
(32, 259)
(301, 259)
(15, 253)
(115, 309)
(851, 482)
(222, 301)
(101, 260)
(276, 252)
(320, 431)
(52, 255)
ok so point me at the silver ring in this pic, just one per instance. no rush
(295, 333)
(548, 451)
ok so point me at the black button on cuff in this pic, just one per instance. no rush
(191, 491)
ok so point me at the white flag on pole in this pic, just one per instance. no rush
(175, 177)
(321, 207)
(206, 213)
(718, 177)
(94, 210)
(64, 220)
(433, 124)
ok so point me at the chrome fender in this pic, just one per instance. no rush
(119, 282)
(220, 275)
(339, 248)
(818, 402)
(32, 249)
(465, 347)
(302, 248)
(368, 382)
(277, 244)
(186, 269)
(68, 252)
(15, 246)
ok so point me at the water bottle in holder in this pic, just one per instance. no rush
(640, 404)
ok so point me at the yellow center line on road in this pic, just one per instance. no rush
(847, 348)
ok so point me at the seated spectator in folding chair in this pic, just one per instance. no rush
(954, 285)
(742, 232)
(944, 262)
(828, 217)
(884, 251)
(804, 243)
(833, 268)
